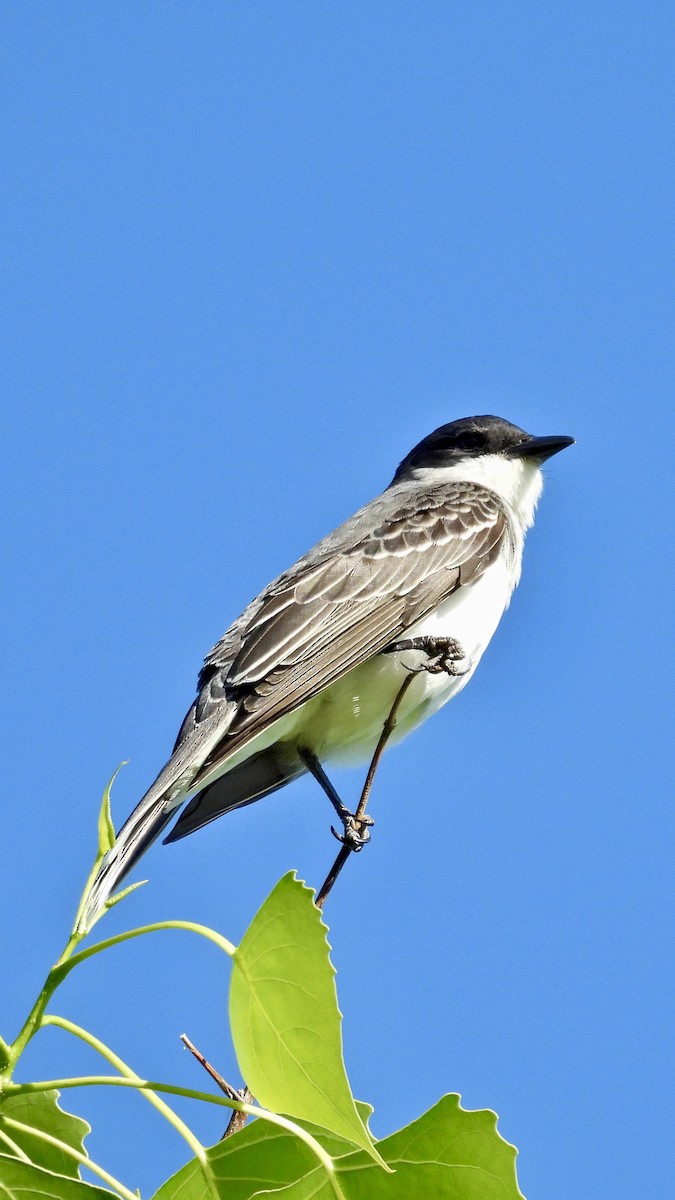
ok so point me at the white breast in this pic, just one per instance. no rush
(344, 723)
(473, 613)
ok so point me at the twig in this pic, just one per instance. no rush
(230, 1092)
(238, 1119)
(244, 1096)
(387, 730)
(332, 876)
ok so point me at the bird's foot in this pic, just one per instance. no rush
(444, 654)
(355, 833)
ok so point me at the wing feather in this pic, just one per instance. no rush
(343, 603)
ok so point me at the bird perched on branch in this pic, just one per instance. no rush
(417, 580)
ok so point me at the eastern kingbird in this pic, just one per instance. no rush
(308, 674)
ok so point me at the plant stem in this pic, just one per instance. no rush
(172, 1089)
(125, 1070)
(17, 1152)
(158, 926)
(68, 960)
(34, 1018)
(5, 1055)
(252, 1110)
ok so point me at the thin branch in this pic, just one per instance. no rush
(244, 1095)
(387, 730)
(230, 1092)
(238, 1119)
(332, 876)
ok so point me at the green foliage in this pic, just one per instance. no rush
(448, 1152)
(309, 1139)
(106, 829)
(23, 1181)
(259, 1158)
(25, 1119)
(285, 1017)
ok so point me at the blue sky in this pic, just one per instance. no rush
(252, 253)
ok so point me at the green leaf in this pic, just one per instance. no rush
(106, 829)
(41, 1111)
(333, 1144)
(260, 1157)
(23, 1181)
(115, 899)
(286, 1024)
(447, 1154)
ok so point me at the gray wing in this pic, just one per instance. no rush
(351, 596)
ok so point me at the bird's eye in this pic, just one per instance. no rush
(469, 441)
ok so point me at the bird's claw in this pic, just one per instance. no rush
(355, 833)
(444, 653)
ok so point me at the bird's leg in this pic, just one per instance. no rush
(360, 816)
(355, 828)
(444, 653)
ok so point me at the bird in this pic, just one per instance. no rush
(416, 582)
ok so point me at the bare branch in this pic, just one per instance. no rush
(387, 730)
(238, 1119)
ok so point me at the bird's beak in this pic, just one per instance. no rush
(540, 448)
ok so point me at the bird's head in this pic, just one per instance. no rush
(486, 450)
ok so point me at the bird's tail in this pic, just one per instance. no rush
(171, 787)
